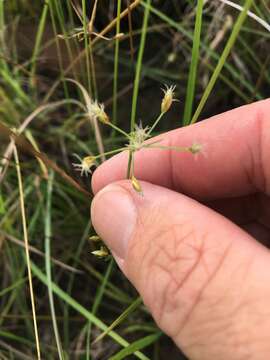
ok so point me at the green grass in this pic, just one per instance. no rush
(48, 235)
(192, 78)
(173, 44)
(116, 64)
(222, 60)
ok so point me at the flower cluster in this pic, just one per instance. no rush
(102, 251)
(136, 138)
(168, 98)
(96, 111)
(85, 164)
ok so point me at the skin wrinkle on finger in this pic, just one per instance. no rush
(255, 170)
(160, 252)
(242, 311)
(222, 327)
(194, 269)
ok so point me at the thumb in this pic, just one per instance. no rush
(204, 279)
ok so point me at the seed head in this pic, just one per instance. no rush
(136, 185)
(101, 253)
(138, 137)
(168, 98)
(85, 164)
(195, 148)
(94, 238)
(96, 111)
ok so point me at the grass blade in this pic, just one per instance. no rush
(97, 302)
(121, 318)
(116, 64)
(82, 310)
(135, 346)
(222, 60)
(139, 65)
(179, 27)
(194, 64)
(48, 234)
(40, 32)
(138, 77)
(27, 252)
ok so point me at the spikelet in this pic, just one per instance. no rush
(168, 98)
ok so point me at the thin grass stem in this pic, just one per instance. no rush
(27, 252)
(194, 64)
(48, 234)
(39, 36)
(222, 59)
(116, 64)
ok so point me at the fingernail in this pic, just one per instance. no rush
(114, 217)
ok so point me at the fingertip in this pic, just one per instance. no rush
(96, 182)
(108, 172)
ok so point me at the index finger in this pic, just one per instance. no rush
(234, 162)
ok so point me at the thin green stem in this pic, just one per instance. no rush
(222, 59)
(2, 35)
(133, 164)
(48, 234)
(130, 161)
(177, 148)
(39, 36)
(116, 65)
(59, 53)
(110, 152)
(27, 252)
(119, 130)
(82, 310)
(86, 44)
(155, 124)
(132, 307)
(194, 64)
(137, 79)
(139, 65)
(97, 302)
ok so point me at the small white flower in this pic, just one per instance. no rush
(168, 98)
(195, 148)
(96, 111)
(138, 137)
(85, 164)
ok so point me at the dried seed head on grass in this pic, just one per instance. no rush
(168, 98)
(85, 164)
(96, 111)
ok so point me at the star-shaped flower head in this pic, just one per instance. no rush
(85, 164)
(96, 111)
(138, 137)
(168, 98)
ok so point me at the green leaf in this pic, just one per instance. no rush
(222, 59)
(135, 346)
(121, 318)
(82, 310)
(194, 64)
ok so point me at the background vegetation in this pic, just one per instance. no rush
(219, 59)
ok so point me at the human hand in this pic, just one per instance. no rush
(192, 245)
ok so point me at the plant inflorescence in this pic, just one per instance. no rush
(137, 140)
